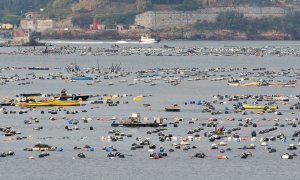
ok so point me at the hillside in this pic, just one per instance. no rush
(231, 25)
(113, 11)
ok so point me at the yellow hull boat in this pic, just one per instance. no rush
(250, 84)
(49, 103)
(259, 106)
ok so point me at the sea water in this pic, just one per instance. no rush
(179, 164)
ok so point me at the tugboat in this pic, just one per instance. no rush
(172, 108)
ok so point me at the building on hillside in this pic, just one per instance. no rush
(34, 23)
(99, 27)
(42, 25)
(172, 19)
(134, 27)
(120, 27)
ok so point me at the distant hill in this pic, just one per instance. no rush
(112, 11)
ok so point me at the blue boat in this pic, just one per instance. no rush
(154, 74)
(81, 78)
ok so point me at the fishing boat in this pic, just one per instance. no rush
(233, 82)
(172, 108)
(291, 83)
(258, 106)
(64, 96)
(275, 98)
(48, 103)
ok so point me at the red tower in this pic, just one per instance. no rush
(95, 24)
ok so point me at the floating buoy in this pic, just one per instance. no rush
(221, 157)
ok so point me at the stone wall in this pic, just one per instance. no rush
(169, 19)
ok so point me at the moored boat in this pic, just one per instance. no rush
(64, 96)
(81, 77)
(258, 106)
(173, 108)
(275, 98)
(48, 103)
(38, 68)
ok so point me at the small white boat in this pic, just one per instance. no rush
(148, 40)
(286, 156)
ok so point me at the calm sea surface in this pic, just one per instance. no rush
(178, 164)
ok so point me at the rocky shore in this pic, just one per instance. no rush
(167, 34)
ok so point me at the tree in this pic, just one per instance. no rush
(11, 19)
(188, 5)
(144, 5)
(61, 3)
(83, 20)
(231, 20)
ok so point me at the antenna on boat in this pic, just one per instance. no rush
(98, 66)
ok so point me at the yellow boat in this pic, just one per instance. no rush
(250, 84)
(38, 103)
(65, 103)
(49, 103)
(259, 106)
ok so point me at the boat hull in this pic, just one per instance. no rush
(251, 106)
(81, 78)
(49, 103)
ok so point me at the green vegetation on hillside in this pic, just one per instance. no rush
(117, 18)
(10, 19)
(188, 5)
(235, 21)
(19, 7)
(12, 10)
(84, 20)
